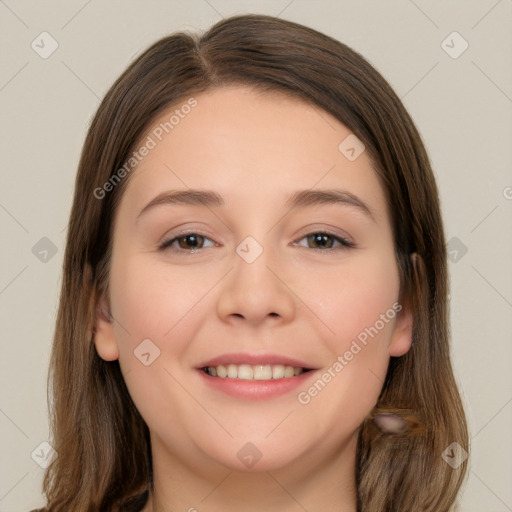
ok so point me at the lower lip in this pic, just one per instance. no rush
(255, 389)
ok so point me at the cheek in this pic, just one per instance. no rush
(150, 302)
(357, 305)
(353, 298)
(154, 301)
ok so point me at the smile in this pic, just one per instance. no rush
(254, 372)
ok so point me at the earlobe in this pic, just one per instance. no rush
(104, 337)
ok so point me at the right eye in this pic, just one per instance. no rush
(187, 242)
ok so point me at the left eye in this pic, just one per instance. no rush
(192, 242)
(326, 240)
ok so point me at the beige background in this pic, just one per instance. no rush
(462, 106)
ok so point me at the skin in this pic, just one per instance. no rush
(296, 299)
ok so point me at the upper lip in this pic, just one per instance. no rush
(255, 359)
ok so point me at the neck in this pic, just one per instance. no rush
(311, 483)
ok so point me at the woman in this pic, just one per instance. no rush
(253, 313)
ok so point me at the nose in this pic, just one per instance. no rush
(257, 292)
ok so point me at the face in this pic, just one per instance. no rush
(291, 293)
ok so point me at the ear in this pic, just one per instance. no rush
(401, 340)
(104, 337)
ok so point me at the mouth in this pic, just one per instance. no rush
(254, 371)
(254, 376)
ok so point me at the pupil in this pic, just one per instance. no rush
(320, 239)
(190, 240)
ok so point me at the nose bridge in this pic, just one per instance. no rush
(253, 290)
(251, 266)
(250, 250)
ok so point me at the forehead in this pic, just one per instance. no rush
(249, 145)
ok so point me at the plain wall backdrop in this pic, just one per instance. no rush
(449, 62)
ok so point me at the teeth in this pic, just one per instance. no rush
(245, 372)
(232, 371)
(278, 371)
(254, 372)
(263, 372)
(288, 372)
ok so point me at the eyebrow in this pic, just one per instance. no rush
(299, 199)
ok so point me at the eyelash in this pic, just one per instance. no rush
(345, 244)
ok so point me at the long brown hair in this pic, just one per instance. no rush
(104, 457)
